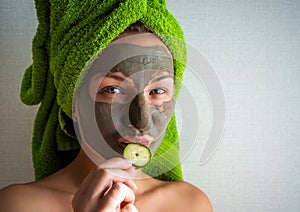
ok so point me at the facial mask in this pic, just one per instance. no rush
(131, 99)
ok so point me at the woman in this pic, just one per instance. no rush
(89, 184)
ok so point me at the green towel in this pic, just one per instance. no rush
(69, 34)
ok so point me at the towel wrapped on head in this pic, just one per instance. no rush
(69, 35)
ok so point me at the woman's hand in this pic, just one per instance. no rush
(108, 188)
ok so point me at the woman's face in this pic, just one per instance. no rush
(134, 100)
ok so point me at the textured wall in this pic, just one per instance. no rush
(253, 47)
(17, 23)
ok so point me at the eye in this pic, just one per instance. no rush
(111, 90)
(157, 91)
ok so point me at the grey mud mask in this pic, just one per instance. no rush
(138, 107)
(127, 96)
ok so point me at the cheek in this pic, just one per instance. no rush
(109, 117)
(102, 111)
(161, 117)
(114, 117)
(103, 117)
(167, 109)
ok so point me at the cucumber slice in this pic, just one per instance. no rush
(137, 152)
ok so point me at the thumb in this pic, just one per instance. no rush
(129, 208)
(116, 163)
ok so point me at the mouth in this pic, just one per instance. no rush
(145, 140)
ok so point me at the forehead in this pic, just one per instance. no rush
(131, 54)
(152, 62)
(154, 54)
(142, 40)
(141, 57)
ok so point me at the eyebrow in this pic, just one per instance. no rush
(116, 77)
(161, 78)
(121, 79)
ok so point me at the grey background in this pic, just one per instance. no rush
(254, 49)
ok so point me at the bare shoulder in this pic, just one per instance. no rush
(190, 197)
(29, 197)
(17, 197)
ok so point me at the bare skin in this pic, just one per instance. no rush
(111, 185)
(56, 192)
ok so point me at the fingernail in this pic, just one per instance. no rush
(125, 209)
(135, 186)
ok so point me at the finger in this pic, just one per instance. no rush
(122, 193)
(116, 195)
(98, 185)
(131, 184)
(103, 180)
(116, 163)
(122, 176)
(119, 173)
(99, 181)
(131, 171)
(129, 208)
(95, 186)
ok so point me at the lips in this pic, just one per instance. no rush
(145, 140)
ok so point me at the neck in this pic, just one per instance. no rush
(79, 168)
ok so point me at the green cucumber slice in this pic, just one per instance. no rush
(138, 153)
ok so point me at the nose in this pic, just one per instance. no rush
(139, 113)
